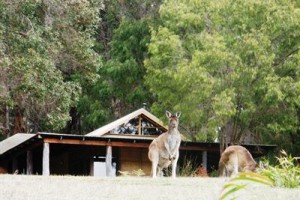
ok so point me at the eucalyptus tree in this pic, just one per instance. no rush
(46, 58)
(228, 62)
(122, 38)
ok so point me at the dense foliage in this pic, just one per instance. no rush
(72, 66)
(225, 62)
(286, 173)
(47, 57)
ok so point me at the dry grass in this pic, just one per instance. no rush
(123, 188)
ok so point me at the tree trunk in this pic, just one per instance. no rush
(4, 117)
(74, 126)
(18, 121)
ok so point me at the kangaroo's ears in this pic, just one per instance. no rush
(168, 114)
(178, 114)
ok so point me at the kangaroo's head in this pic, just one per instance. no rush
(173, 119)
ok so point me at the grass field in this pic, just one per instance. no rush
(76, 188)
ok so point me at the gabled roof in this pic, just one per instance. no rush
(115, 124)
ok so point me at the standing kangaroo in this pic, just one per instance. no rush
(236, 159)
(164, 149)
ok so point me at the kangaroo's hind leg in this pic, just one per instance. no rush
(174, 165)
(160, 171)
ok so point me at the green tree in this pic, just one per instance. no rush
(46, 58)
(125, 69)
(228, 61)
(122, 38)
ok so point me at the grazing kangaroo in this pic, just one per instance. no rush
(164, 150)
(236, 159)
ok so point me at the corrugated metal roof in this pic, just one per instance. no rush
(143, 112)
(14, 141)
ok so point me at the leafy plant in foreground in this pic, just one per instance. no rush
(285, 174)
(240, 182)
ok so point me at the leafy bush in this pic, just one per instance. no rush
(188, 168)
(214, 173)
(285, 174)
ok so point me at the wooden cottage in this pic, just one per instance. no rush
(121, 146)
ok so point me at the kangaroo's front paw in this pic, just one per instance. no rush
(172, 157)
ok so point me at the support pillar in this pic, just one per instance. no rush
(46, 159)
(204, 159)
(29, 168)
(92, 166)
(108, 161)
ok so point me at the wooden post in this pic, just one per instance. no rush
(204, 159)
(29, 168)
(108, 161)
(92, 166)
(46, 159)
(140, 126)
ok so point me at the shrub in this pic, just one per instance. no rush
(191, 168)
(285, 174)
(188, 168)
